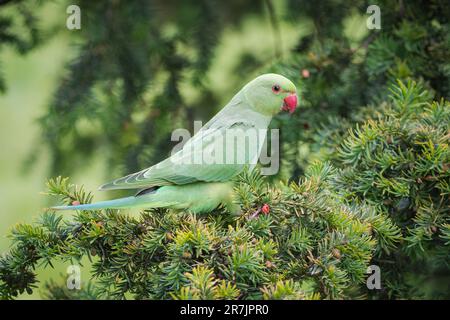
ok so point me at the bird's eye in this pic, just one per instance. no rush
(276, 89)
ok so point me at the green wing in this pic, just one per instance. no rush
(175, 171)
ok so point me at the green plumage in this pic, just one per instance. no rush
(198, 197)
(182, 181)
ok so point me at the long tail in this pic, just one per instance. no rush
(197, 197)
(127, 202)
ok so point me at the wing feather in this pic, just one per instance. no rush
(176, 171)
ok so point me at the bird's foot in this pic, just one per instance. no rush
(264, 209)
(255, 214)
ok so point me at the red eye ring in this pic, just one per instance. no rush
(276, 88)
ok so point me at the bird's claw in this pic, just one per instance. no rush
(255, 214)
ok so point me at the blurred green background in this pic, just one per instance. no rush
(32, 79)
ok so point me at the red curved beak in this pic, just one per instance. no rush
(290, 103)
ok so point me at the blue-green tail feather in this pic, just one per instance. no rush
(197, 197)
(108, 204)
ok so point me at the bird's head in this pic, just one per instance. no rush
(271, 93)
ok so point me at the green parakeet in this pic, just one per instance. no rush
(197, 177)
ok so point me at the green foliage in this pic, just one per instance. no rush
(345, 74)
(308, 246)
(202, 285)
(288, 289)
(399, 165)
(54, 291)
